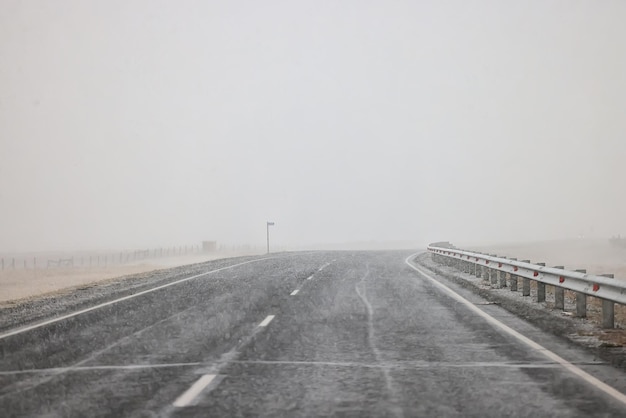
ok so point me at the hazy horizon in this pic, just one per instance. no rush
(131, 124)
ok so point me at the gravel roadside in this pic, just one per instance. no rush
(25, 311)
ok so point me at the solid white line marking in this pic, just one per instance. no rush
(398, 364)
(310, 277)
(195, 389)
(295, 292)
(267, 320)
(102, 305)
(549, 354)
(91, 368)
(405, 365)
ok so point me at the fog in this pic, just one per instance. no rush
(141, 123)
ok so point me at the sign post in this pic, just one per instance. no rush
(268, 235)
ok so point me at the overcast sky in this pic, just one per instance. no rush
(142, 123)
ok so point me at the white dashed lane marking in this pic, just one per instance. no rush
(190, 395)
(188, 398)
(267, 320)
(295, 292)
(323, 267)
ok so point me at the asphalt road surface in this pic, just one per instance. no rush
(299, 334)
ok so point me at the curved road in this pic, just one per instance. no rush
(299, 334)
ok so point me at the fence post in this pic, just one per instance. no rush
(513, 279)
(581, 300)
(608, 309)
(526, 283)
(541, 288)
(559, 294)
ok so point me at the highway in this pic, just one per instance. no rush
(298, 334)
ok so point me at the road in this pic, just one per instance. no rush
(299, 334)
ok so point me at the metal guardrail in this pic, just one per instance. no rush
(495, 269)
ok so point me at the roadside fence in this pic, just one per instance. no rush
(93, 259)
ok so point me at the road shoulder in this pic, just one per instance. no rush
(579, 331)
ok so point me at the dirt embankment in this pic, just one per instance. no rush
(20, 284)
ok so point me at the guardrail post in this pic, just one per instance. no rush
(559, 294)
(466, 267)
(478, 270)
(513, 279)
(581, 300)
(541, 288)
(526, 283)
(608, 309)
(502, 275)
(493, 274)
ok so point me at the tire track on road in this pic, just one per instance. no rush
(393, 398)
